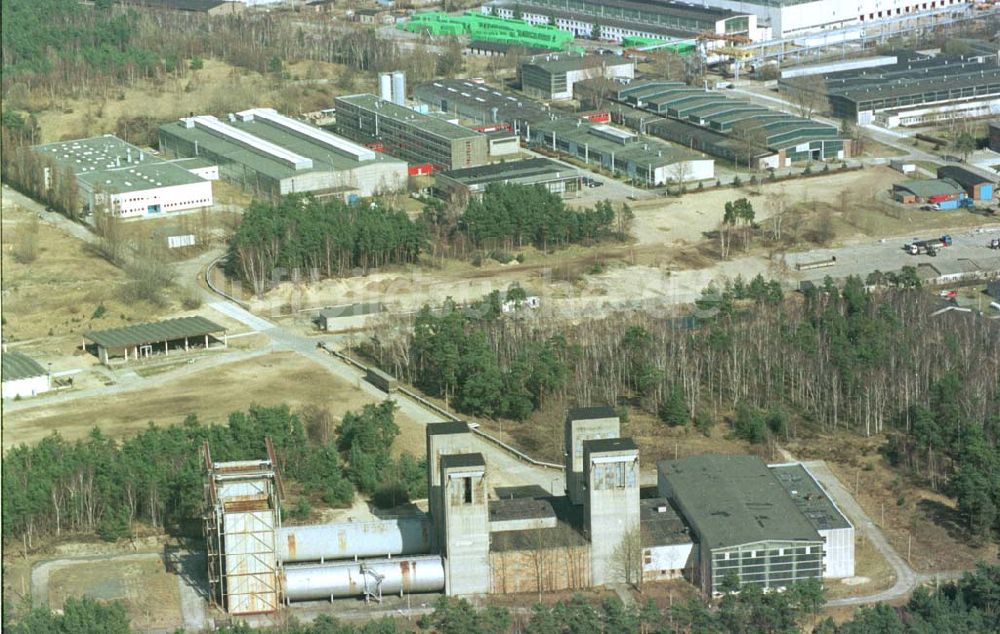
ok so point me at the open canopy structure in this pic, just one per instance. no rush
(145, 340)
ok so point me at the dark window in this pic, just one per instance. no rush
(468, 490)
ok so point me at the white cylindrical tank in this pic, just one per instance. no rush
(403, 536)
(409, 575)
(385, 86)
(399, 87)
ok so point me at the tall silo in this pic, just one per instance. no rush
(385, 86)
(399, 87)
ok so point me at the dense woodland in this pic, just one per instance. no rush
(969, 606)
(102, 485)
(862, 361)
(333, 238)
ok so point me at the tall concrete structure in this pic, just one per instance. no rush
(585, 423)
(611, 510)
(464, 508)
(442, 439)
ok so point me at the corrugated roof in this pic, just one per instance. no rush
(17, 365)
(733, 500)
(390, 110)
(929, 187)
(154, 332)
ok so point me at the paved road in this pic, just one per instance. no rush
(906, 578)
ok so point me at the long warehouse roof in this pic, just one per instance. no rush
(395, 112)
(17, 365)
(734, 500)
(154, 332)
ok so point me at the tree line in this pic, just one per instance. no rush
(866, 360)
(100, 485)
(329, 237)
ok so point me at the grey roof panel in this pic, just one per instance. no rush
(154, 332)
(810, 497)
(17, 365)
(462, 460)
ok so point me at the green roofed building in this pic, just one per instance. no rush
(143, 341)
(268, 153)
(745, 523)
(23, 376)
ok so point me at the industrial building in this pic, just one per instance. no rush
(125, 180)
(916, 90)
(976, 185)
(699, 119)
(943, 192)
(482, 104)
(143, 341)
(268, 153)
(473, 181)
(708, 516)
(488, 28)
(552, 76)
(402, 132)
(22, 376)
(620, 19)
(744, 522)
(642, 159)
(789, 18)
(993, 138)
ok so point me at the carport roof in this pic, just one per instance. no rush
(155, 332)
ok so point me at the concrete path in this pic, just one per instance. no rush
(906, 578)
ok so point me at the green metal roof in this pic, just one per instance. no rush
(733, 500)
(928, 188)
(810, 497)
(17, 365)
(114, 166)
(154, 332)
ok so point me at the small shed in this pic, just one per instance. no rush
(332, 317)
(153, 339)
(23, 376)
(903, 166)
(931, 191)
(976, 185)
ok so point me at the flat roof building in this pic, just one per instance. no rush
(551, 76)
(745, 523)
(473, 181)
(268, 153)
(125, 180)
(402, 132)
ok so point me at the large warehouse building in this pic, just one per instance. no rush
(268, 153)
(788, 18)
(779, 137)
(744, 522)
(410, 135)
(916, 90)
(619, 19)
(552, 76)
(125, 180)
(473, 181)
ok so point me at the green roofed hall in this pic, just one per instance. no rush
(150, 339)
(17, 365)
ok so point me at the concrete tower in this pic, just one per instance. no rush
(611, 508)
(442, 439)
(466, 523)
(585, 423)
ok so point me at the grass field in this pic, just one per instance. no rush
(210, 394)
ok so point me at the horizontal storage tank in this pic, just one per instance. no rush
(407, 575)
(321, 542)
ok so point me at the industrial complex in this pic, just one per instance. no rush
(552, 76)
(709, 517)
(268, 153)
(126, 181)
(916, 90)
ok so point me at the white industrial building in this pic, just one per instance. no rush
(789, 18)
(23, 376)
(266, 152)
(125, 180)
